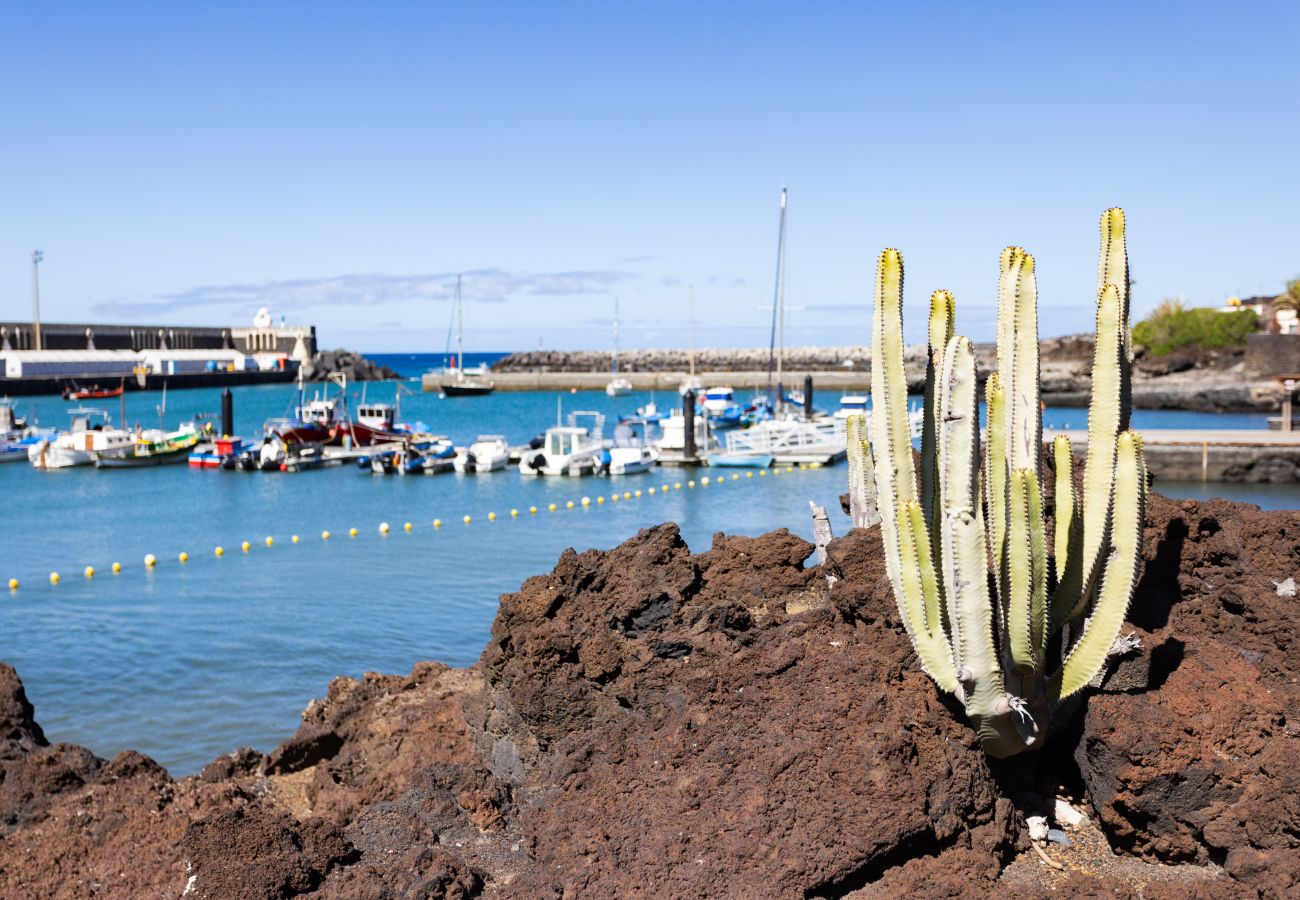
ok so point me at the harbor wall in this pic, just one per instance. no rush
(298, 341)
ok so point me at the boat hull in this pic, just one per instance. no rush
(730, 461)
(465, 389)
(141, 461)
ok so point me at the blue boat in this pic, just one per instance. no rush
(741, 460)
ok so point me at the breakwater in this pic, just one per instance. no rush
(1226, 384)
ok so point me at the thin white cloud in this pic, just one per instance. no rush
(479, 286)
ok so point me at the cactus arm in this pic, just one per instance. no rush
(995, 464)
(963, 544)
(1099, 466)
(1089, 653)
(930, 640)
(1038, 562)
(1064, 554)
(862, 489)
(1024, 412)
(1019, 577)
(1008, 276)
(941, 330)
(1112, 268)
(892, 449)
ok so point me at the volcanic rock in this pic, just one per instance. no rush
(648, 721)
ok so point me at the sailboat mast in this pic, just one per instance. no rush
(692, 317)
(615, 335)
(460, 330)
(776, 359)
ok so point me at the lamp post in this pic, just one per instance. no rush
(37, 256)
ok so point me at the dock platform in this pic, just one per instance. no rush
(1228, 455)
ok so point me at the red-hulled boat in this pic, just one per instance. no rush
(94, 392)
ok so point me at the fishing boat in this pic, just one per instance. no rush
(456, 380)
(170, 449)
(618, 385)
(488, 453)
(568, 449)
(373, 424)
(94, 392)
(91, 432)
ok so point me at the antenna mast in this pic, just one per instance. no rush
(774, 358)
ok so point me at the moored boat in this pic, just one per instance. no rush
(568, 449)
(173, 448)
(91, 433)
(488, 453)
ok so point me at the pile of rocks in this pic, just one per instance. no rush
(355, 366)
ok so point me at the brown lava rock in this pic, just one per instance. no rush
(646, 721)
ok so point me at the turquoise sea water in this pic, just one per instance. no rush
(184, 662)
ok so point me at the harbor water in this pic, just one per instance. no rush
(187, 661)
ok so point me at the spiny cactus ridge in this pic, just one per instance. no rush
(988, 609)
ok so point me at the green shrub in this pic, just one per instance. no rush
(1170, 328)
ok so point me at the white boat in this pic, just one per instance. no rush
(618, 387)
(91, 433)
(488, 453)
(632, 452)
(458, 381)
(719, 399)
(572, 449)
(851, 405)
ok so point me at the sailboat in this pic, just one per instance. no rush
(457, 381)
(618, 385)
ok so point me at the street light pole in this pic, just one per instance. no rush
(37, 256)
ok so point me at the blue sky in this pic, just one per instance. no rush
(340, 163)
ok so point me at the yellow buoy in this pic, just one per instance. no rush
(614, 498)
(13, 584)
(677, 485)
(532, 510)
(150, 560)
(383, 528)
(221, 551)
(652, 492)
(492, 517)
(245, 546)
(663, 488)
(54, 578)
(637, 492)
(762, 473)
(270, 540)
(90, 571)
(406, 526)
(466, 520)
(735, 477)
(568, 504)
(691, 483)
(117, 567)
(704, 480)
(627, 495)
(324, 535)
(352, 532)
(184, 557)
(437, 523)
(294, 539)
(600, 500)
(586, 501)
(749, 474)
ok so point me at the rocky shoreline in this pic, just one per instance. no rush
(353, 365)
(647, 721)
(1214, 381)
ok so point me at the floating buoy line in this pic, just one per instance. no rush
(585, 502)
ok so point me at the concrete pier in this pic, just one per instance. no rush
(827, 381)
(1258, 457)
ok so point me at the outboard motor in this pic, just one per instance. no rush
(471, 463)
(538, 442)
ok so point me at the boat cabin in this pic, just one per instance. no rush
(319, 411)
(717, 399)
(376, 415)
(566, 440)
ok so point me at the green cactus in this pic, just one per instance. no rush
(989, 636)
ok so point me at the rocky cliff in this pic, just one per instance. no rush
(651, 722)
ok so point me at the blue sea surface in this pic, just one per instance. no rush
(188, 661)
